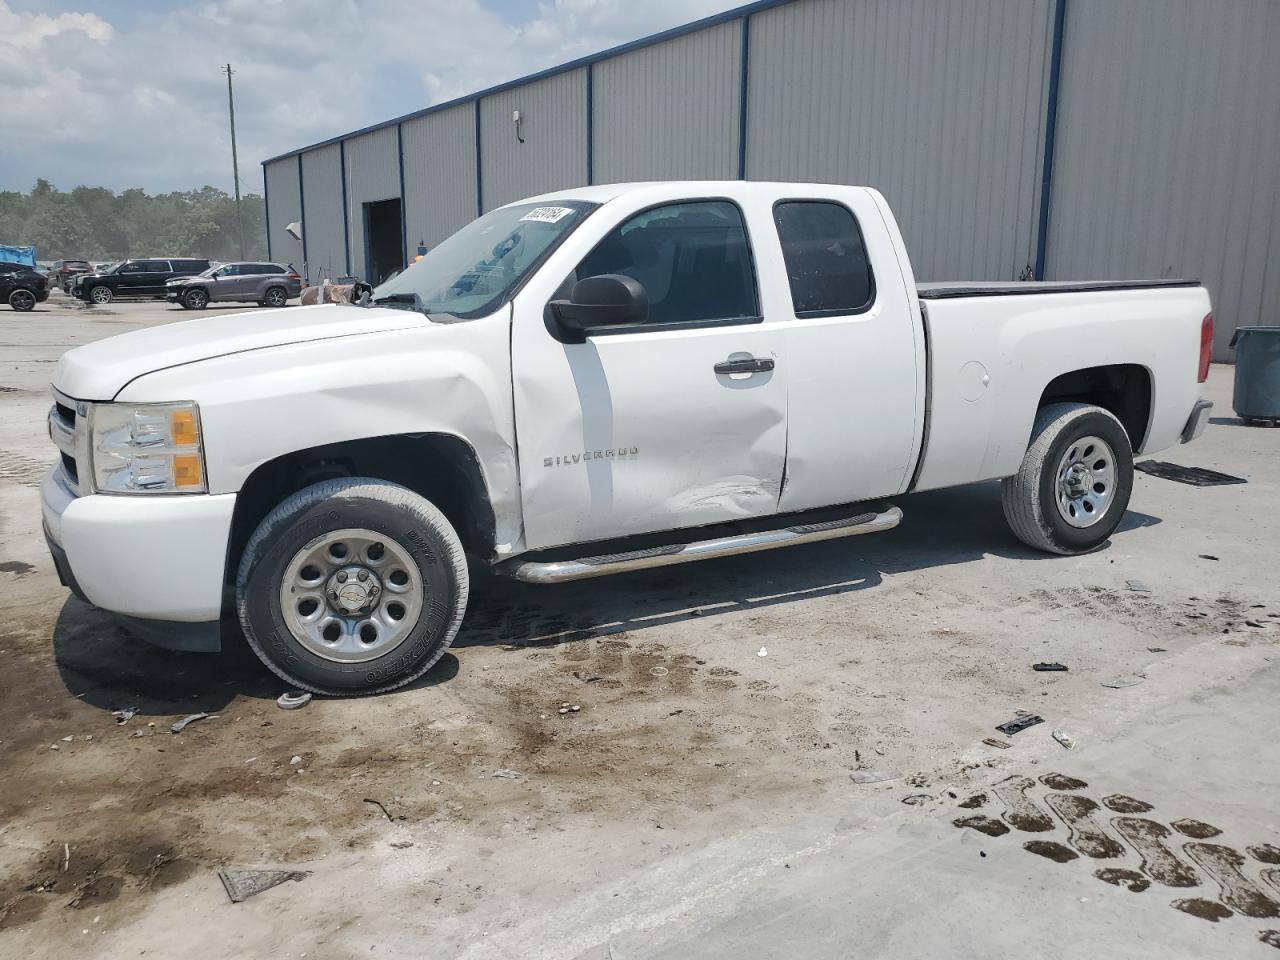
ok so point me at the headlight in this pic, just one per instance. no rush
(146, 448)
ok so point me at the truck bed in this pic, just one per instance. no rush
(981, 288)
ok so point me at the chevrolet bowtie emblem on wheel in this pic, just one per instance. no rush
(570, 459)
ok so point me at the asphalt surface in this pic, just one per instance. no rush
(700, 803)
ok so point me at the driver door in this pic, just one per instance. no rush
(640, 428)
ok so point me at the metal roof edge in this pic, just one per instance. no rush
(672, 33)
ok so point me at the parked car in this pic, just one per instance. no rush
(266, 284)
(634, 375)
(22, 286)
(63, 270)
(134, 278)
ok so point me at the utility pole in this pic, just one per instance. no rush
(235, 160)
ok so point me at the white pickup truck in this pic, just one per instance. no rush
(590, 382)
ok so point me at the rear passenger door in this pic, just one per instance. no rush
(851, 340)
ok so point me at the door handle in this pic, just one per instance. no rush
(745, 365)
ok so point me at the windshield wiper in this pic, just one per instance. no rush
(400, 301)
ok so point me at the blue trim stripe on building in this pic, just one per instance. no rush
(479, 167)
(591, 125)
(1050, 135)
(743, 79)
(649, 41)
(404, 207)
(346, 214)
(302, 217)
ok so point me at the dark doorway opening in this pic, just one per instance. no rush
(383, 240)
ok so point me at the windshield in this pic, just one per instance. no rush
(483, 264)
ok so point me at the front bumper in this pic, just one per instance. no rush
(147, 557)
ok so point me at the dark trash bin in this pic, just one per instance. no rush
(1257, 393)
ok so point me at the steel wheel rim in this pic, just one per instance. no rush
(101, 295)
(1085, 482)
(22, 300)
(336, 614)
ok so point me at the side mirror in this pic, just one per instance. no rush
(608, 300)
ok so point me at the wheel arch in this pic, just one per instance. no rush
(1122, 389)
(441, 467)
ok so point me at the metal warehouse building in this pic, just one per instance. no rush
(1061, 139)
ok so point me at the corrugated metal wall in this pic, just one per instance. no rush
(670, 111)
(373, 173)
(554, 127)
(322, 186)
(1168, 149)
(439, 174)
(938, 105)
(283, 207)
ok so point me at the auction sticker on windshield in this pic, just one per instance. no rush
(548, 214)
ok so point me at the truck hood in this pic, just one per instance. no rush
(99, 371)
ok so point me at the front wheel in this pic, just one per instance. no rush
(1073, 487)
(352, 586)
(22, 300)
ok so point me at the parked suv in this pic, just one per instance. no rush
(22, 286)
(63, 271)
(268, 284)
(134, 278)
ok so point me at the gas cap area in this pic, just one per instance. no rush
(973, 381)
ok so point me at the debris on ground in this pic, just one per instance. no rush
(379, 805)
(1064, 738)
(1207, 556)
(505, 774)
(1157, 650)
(998, 744)
(1048, 667)
(917, 799)
(762, 652)
(1017, 726)
(67, 739)
(874, 776)
(189, 718)
(401, 844)
(1195, 476)
(1137, 586)
(295, 760)
(243, 884)
(125, 715)
(1119, 683)
(293, 700)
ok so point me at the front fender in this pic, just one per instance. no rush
(439, 378)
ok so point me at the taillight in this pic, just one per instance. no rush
(1206, 346)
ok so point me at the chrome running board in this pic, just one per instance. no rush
(560, 571)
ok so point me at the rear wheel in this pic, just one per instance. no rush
(275, 297)
(100, 295)
(352, 586)
(22, 300)
(1073, 487)
(195, 299)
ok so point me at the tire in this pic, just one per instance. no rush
(99, 295)
(196, 299)
(275, 297)
(1070, 494)
(22, 300)
(419, 545)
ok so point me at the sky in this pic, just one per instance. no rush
(130, 93)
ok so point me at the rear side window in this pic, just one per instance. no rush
(197, 266)
(693, 260)
(826, 259)
(154, 266)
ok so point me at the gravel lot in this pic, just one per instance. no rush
(700, 803)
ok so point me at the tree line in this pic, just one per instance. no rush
(94, 223)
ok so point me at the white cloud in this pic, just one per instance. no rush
(145, 104)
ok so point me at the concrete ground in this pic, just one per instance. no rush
(700, 802)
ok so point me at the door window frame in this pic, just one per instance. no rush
(566, 288)
(872, 291)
